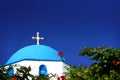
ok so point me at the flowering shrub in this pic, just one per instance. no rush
(22, 73)
(106, 67)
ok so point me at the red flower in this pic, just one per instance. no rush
(63, 78)
(60, 54)
(14, 78)
(114, 61)
(58, 78)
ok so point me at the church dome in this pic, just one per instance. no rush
(35, 52)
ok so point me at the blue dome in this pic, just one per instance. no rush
(35, 52)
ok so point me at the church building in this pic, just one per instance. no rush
(41, 58)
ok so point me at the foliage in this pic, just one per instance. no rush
(77, 73)
(4, 72)
(107, 66)
(23, 73)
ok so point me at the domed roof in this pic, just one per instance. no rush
(35, 52)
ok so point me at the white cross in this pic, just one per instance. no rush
(38, 38)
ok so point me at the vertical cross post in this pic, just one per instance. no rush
(38, 38)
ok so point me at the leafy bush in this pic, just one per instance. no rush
(106, 67)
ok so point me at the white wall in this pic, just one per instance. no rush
(55, 67)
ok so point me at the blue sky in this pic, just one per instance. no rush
(67, 25)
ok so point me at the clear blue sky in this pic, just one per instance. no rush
(67, 25)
